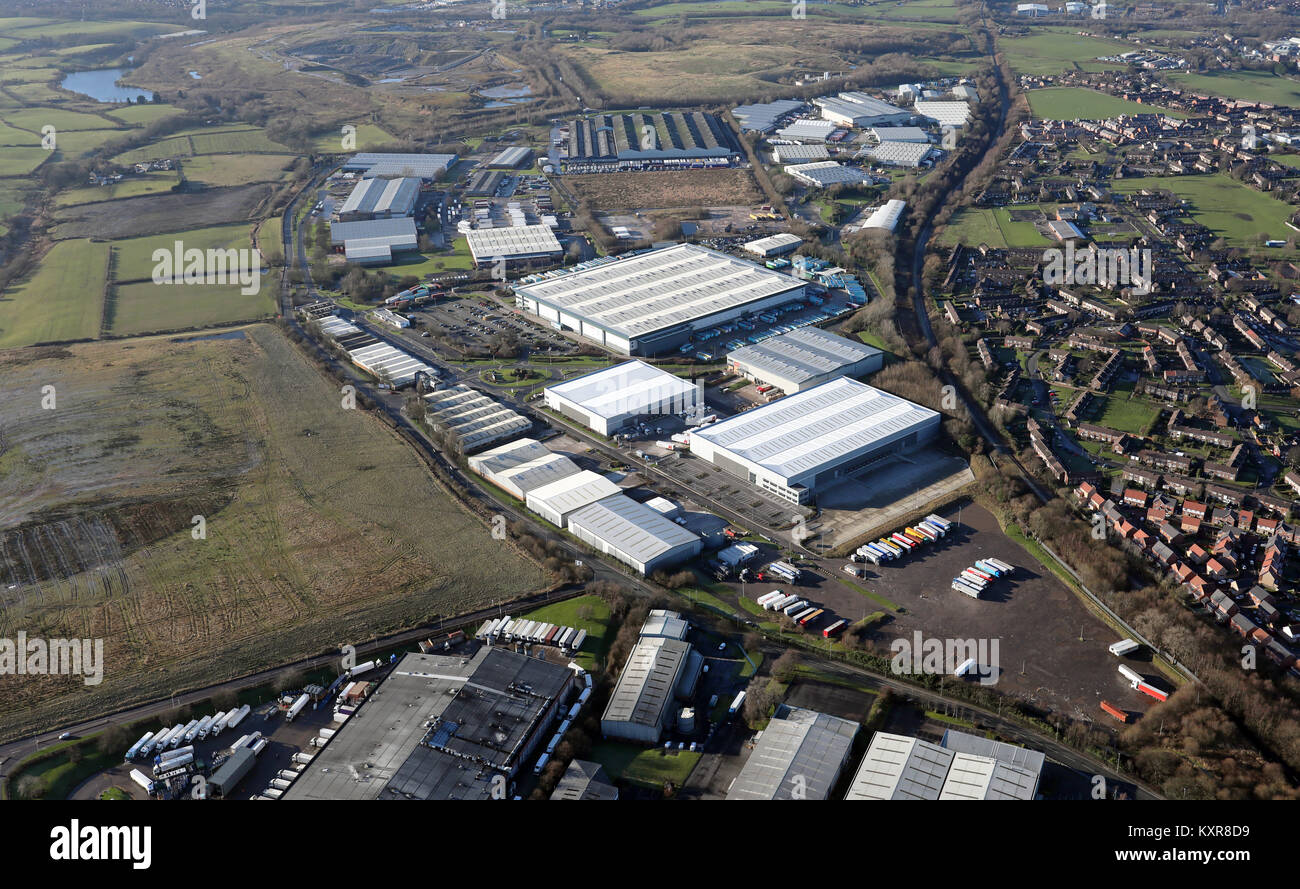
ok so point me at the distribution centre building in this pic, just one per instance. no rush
(653, 302)
(441, 726)
(513, 244)
(606, 400)
(803, 358)
(801, 443)
(773, 245)
(798, 756)
(378, 163)
(633, 533)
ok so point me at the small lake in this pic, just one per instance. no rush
(510, 91)
(103, 85)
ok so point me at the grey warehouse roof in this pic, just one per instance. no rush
(802, 751)
(584, 780)
(764, 116)
(513, 241)
(817, 425)
(899, 767)
(401, 228)
(803, 353)
(659, 289)
(425, 166)
(647, 683)
(630, 527)
(382, 196)
(964, 742)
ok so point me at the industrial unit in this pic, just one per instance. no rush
(803, 358)
(514, 245)
(803, 442)
(420, 166)
(641, 704)
(509, 158)
(374, 240)
(633, 533)
(823, 174)
(606, 400)
(773, 245)
(897, 154)
(963, 766)
(763, 117)
(584, 780)
(809, 130)
(798, 154)
(476, 420)
(522, 466)
(380, 199)
(949, 114)
(653, 302)
(649, 139)
(798, 756)
(857, 109)
(886, 216)
(559, 499)
(441, 727)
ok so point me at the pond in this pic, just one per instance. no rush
(103, 86)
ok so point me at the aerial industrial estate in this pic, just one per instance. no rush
(650, 401)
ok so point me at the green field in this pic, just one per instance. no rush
(980, 225)
(133, 257)
(1073, 103)
(219, 170)
(21, 161)
(144, 114)
(1253, 86)
(148, 183)
(175, 146)
(1234, 211)
(1122, 411)
(369, 137)
(62, 300)
(599, 633)
(145, 307)
(1054, 50)
(35, 118)
(642, 767)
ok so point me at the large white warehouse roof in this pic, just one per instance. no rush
(953, 114)
(628, 388)
(815, 426)
(659, 289)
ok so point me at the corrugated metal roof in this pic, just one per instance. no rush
(572, 492)
(803, 354)
(512, 241)
(652, 291)
(979, 777)
(799, 756)
(632, 387)
(508, 456)
(815, 426)
(646, 685)
(898, 767)
(630, 527)
(382, 196)
(425, 166)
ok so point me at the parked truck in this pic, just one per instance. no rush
(238, 715)
(218, 724)
(199, 730)
(183, 735)
(1119, 649)
(735, 703)
(1121, 715)
(138, 746)
(296, 708)
(143, 780)
(362, 668)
